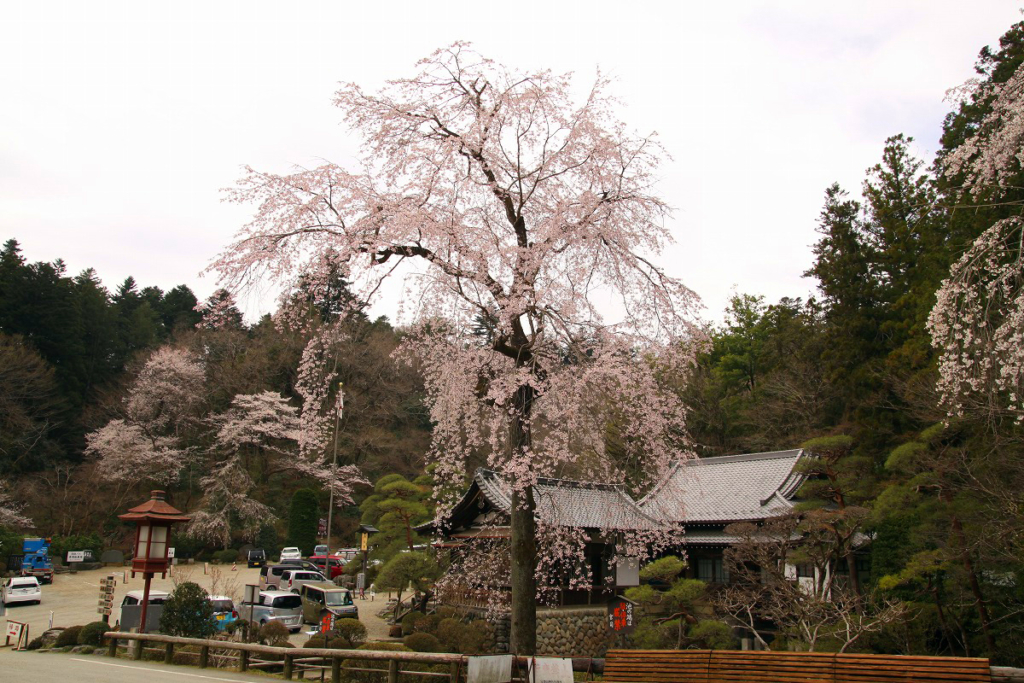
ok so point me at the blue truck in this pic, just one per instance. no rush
(36, 559)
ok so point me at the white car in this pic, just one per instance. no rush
(21, 589)
(291, 554)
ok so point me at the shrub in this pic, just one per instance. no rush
(423, 642)
(456, 636)
(319, 640)
(36, 643)
(274, 633)
(712, 635)
(188, 612)
(226, 556)
(409, 622)
(351, 632)
(68, 636)
(92, 633)
(429, 623)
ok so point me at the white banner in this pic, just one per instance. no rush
(76, 556)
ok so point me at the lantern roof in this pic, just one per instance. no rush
(155, 509)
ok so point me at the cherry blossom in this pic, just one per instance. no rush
(978, 319)
(525, 212)
(10, 510)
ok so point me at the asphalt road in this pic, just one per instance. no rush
(46, 667)
(71, 599)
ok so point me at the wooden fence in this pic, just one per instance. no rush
(246, 656)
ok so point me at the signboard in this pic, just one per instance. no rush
(106, 601)
(364, 541)
(77, 555)
(327, 622)
(361, 581)
(621, 617)
(16, 630)
(170, 553)
(321, 530)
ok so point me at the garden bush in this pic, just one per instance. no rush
(68, 636)
(274, 633)
(409, 622)
(423, 642)
(188, 612)
(92, 633)
(377, 676)
(351, 632)
(456, 636)
(36, 643)
(226, 556)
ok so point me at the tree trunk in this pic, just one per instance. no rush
(972, 579)
(523, 635)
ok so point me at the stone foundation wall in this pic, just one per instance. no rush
(579, 632)
(566, 632)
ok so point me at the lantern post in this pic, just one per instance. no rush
(153, 520)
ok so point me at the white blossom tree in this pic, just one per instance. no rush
(978, 318)
(11, 510)
(525, 212)
(146, 443)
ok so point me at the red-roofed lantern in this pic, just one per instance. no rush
(153, 520)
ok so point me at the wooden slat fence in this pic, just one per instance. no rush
(738, 666)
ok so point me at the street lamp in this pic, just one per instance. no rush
(153, 520)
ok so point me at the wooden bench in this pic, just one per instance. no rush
(737, 666)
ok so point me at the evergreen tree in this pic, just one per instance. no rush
(303, 517)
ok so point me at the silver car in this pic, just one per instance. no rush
(279, 606)
(294, 579)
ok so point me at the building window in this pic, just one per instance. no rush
(712, 570)
(805, 570)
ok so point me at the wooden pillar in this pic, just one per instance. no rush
(204, 656)
(453, 671)
(335, 670)
(112, 647)
(169, 653)
(287, 667)
(136, 648)
(243, 660)
(393, 671)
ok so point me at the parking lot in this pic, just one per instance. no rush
(71, 599)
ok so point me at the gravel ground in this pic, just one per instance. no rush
(71, 599)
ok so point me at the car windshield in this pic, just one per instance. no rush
(338, 598)
(222, 605)
(287, 602)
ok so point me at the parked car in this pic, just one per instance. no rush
(346, 554)
(279, 606)
(301, 564)
(256, 558)
(320, 598)
(224, 612)
(291, 554)
(131, 610)
(270, 575)
(320, 550)
(293, 580)
(322, 562)
(21, 589)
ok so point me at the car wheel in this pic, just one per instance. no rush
(295, 591)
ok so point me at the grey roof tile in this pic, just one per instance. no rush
(726, 488)
(564, 502)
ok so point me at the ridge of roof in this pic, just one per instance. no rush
(744, 457)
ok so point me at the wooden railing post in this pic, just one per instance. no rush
(453, 671)
(168, 653)
(393, 671)
(136, 647)
(335, 670)
(204, 656)
(112, 648)
(243, 660)
(287, 667)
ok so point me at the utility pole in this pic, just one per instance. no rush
(334, 466)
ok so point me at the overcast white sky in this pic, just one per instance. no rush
(121, 121)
